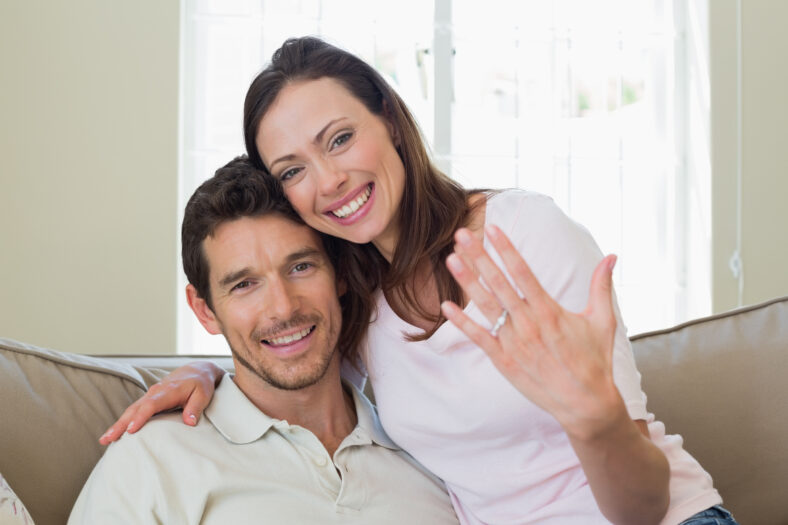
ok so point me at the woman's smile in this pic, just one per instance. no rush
(354, 206)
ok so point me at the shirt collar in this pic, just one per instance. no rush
(368, 421)
(241, 422)
(234, 416)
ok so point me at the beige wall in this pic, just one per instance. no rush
(764, 149)
(88, 173)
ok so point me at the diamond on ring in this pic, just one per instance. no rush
(499, 323)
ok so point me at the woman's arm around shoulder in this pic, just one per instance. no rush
(190, 386)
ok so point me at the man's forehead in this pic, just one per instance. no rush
(273, 234)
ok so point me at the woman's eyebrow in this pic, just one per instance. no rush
(317, 140)
(319, 137)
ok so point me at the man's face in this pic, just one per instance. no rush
(274, 299)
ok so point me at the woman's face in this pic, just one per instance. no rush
(336, 160)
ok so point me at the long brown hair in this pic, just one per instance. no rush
(433, 205)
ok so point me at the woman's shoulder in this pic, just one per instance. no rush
(523, 207)
(516, 198)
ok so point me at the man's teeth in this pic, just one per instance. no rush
(291, 338)
(353, 205)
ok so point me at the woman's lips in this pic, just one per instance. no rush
(355, 208)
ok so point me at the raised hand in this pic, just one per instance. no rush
(561, 361)
(190, 386)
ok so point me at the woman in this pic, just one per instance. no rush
(539, 419)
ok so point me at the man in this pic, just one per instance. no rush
(284, 440)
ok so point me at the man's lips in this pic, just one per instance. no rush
(290, 338)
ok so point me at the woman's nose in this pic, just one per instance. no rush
(330, 177)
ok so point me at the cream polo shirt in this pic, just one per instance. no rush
(240, 466)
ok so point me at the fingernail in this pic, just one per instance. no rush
(130, 427)
(193, 419)
(612, 262)
(464, 237)
(453, 262)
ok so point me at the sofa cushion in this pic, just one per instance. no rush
(54, 407)
(720, 382)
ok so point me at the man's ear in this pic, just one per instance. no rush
(203, 312)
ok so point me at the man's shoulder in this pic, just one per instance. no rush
(164, 434)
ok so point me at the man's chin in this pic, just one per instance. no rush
(291, 378)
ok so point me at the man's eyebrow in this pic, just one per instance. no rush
(317, 140)
(304, 253)
(232, 277)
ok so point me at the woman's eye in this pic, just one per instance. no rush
(288, 174)
(341, 139)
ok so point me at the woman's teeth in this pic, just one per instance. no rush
(353, 205)
(290, 338)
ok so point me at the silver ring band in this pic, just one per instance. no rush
(499, 323)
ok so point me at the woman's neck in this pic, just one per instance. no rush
(386, 244)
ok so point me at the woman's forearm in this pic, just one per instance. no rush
(627, 473)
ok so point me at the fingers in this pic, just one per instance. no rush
(522, 275)
(475, 333)
(195, 406)
(473, 288)
(501, 294)
(600, 300)
(160, 397)
(117, 429)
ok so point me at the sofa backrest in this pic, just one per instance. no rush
(717, 381)
(53, 407)
(720, 382)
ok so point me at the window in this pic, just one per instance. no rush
(601, 105)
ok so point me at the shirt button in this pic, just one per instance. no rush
(320, 462)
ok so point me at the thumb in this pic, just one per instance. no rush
(600, 300)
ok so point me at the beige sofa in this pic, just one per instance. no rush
(718, 381)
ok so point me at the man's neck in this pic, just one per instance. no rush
(326, 409)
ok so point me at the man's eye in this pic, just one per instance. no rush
(242, 285)
(341, 139)
(288, 174)
(302, 267)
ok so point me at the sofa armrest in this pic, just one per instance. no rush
(720, 383)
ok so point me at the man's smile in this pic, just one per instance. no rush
(289, 338)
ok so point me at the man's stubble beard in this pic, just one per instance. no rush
(302, 380)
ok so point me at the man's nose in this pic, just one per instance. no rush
(330, 177)
(282, 301)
